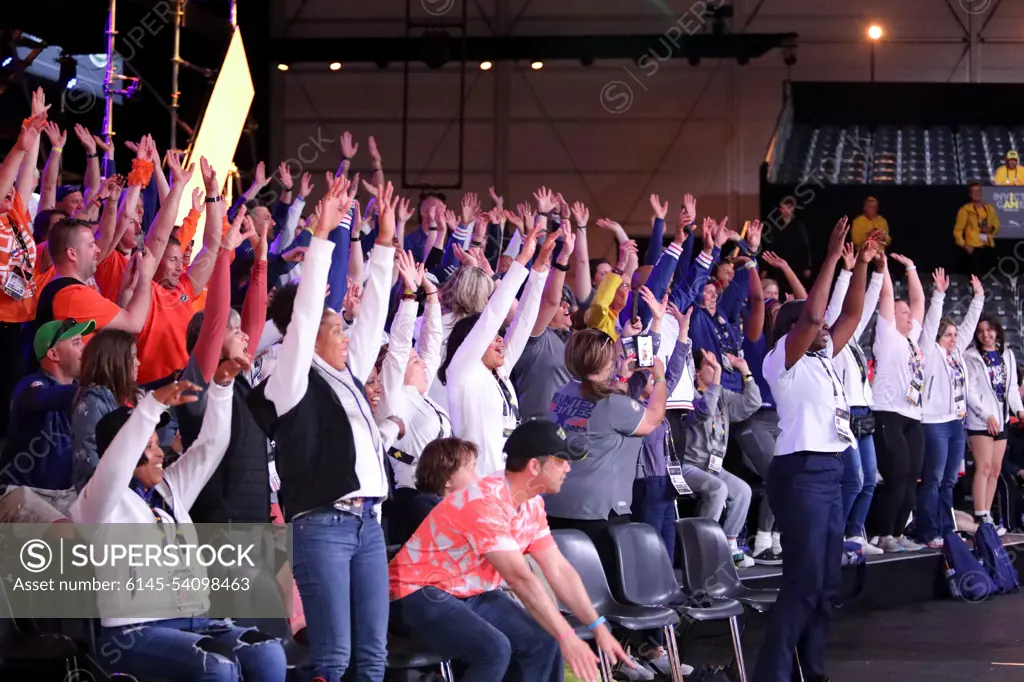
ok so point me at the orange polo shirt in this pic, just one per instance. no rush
(161, 343)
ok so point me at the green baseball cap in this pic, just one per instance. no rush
(52, 333)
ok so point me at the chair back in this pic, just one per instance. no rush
(707, 560)
(579, 551)
(645, 571)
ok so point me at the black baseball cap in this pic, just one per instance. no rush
(541, 438)
(112, 422)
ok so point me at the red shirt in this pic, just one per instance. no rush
(447, 550)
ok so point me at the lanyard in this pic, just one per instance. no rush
(956, 372)
(833, 379)
(916, 365)
(670, 443)
(860, 358)
(508, 408)
(441, 417)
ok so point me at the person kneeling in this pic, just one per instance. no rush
(707, 434)
(445, 580)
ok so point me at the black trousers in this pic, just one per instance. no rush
(13, 371)
(899, 444)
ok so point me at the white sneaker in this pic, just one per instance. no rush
(640, 673)
(742, 560)
(866, 548)
(909, 545)
(1000, 530)
(936, 543)
(889, 545)
(777, 544)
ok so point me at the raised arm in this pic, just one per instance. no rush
(871, 295)
(108, 219)
(914, 289)
(930, 329)
(526, 313)
(792, 279)
(552, 298)
(886, 298)
(808, 325)
(965, 332)
(163, 225)
(845, 326)
(580, 281)
(92, 158)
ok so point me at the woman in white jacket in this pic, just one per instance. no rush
(992, 397)
(131, 486)
(944, 409)
(860, 463)
(898, 390)
(481, 398)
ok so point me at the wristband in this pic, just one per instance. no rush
(657, 379)
(409, 295)
(59, 150)
(751, 264)
(617, 271)
(912, 268)
(601, 619)
(581, 226)
(356, 238)
(346, 159)
(565, 634)
(432, 229)
(559, 266)
(748, 377)
(546, 214)
(92, 156)
(474, 242)
(213, 200)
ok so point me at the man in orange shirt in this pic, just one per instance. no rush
(17, 262)
(161, 343)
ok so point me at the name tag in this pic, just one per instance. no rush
(843, 425)
(961, 406)
(983, 238)
(675, 474)
(15, 286)
(914, 394)
(715, 464)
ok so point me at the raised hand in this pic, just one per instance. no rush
(753, 238)
(681, 224)
(838, 238)
(179, 176)
(284, 174)
(349, 147)
(305, 186)
(209, 177)
(407, 270)
(580, 213)
(545, 199)
(608, 224)
(101, 144)
(178, 393)
(467, 258)
(515, 219)
(238, 232)
(543, 259)
(723, 234)
(85, 137)
(428, 285)
(481, 260)
(657, 307)
(738, 363)
(334, 204)
(690, 207)
(941, 280)
(499, 202)
(529, 246)
(682, 319)
(57, 136)
(257, 235)
(374, 152)
(387, 201)
(634, 327)
(470, 207)
(775, 261)
(847, 256)
(353, 299)
(404, 210)
(568, 238)
(902, 260)
(707, 233)
(38, 102)
(660, 209)
(197, 200)
(261, 180)
(228, 369)
(871, 248)
(976, 285)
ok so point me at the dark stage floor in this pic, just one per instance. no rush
(935, 641)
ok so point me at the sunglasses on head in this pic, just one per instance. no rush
(65, 326)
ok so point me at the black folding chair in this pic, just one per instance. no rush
(647, 577)
(581, 553)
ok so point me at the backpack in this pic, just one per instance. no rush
(965, 575)
(994, 558)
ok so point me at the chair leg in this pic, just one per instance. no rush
(672, 646)
(446, 671)
(605, 666)
(737, 647)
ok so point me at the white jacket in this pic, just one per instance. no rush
(108, 499)
(938, 406)
(475, 401)
(857, 390)
(981, 399)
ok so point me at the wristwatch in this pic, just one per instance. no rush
(213, 200)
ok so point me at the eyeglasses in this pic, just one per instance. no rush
(65, 326)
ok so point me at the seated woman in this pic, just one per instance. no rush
(130, 485)
(707, 433)
(446, 466)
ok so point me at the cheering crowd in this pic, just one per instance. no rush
(459, 382)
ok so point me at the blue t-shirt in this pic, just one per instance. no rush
(996, 373)
(754, 353)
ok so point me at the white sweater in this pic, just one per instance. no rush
(982, 402)
(108, 499)
(939, 406)
(856, 388)
(475, 402)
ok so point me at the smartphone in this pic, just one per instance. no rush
(645, 351)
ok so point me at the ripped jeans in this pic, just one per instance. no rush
(201, 649)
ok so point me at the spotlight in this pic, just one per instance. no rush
(485, 66)
(72, 84)
(537, 66)
(282, 67)
(875, 32)
(7, 62)
(335, 66)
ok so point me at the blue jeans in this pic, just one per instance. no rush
(341, 570)
(654, 503)
(202, 649)
(489, 634)
(860, 470)
(943, 454)
(804, 490)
